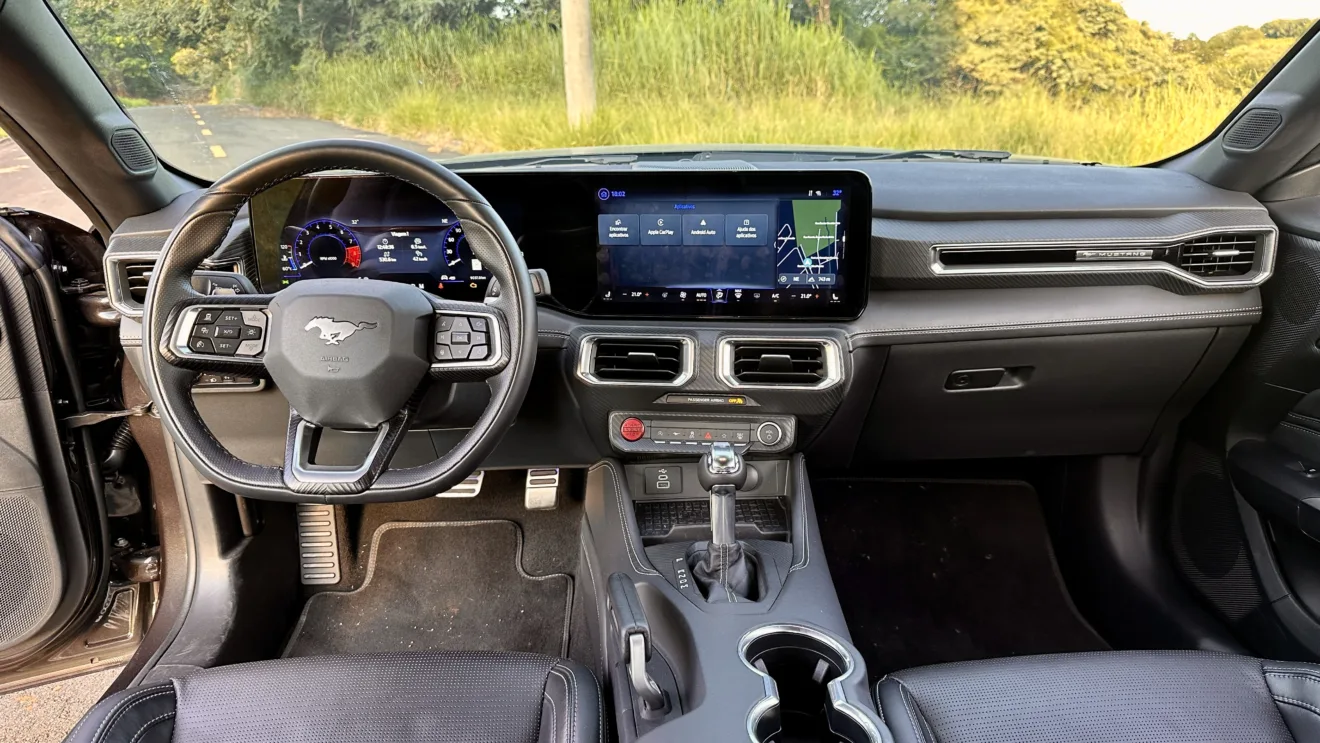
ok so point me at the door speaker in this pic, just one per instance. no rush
(30, 574)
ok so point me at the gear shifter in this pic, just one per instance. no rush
(723, 568)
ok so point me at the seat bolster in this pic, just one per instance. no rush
(144, 714)
(1296, 689)
(571, 707)
(901, 713)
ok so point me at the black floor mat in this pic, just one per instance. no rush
(929, 572)
(441, 586)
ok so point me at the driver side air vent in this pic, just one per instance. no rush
(661, 361)
(136, 278)
(805, 364)
(1228, 254)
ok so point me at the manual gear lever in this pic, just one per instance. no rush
(722, 568)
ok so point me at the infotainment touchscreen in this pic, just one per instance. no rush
(753, 249)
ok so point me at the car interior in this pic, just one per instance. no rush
(352, 445)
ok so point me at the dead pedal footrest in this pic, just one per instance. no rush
(318, 544)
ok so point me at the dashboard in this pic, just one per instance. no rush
(754, 244)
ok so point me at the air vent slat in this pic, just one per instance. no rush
(637, 360)
(136, 278)
(788, 364)
(1231, 254)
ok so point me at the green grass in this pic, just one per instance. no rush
(701, 71)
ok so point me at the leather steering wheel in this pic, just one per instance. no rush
(349, 354)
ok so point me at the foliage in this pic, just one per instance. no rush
(1067, 78)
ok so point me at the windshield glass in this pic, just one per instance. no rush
(213, 83)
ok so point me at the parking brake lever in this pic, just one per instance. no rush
(635, 639)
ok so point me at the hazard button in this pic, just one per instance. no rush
(632, 429)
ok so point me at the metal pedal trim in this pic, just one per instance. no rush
(469, 488)
(318, 544)
(541, 492)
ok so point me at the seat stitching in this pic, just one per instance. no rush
(1298, 428)
(1299, 703)
(907, 704)
(1297, 675)
(1303, 416)
(123, 701)
(554, 712)
(111, 719)
(567, 677)
(142, 730)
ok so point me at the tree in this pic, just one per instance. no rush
(1287, 29)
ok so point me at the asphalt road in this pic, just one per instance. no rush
(206, 141)
(209, 141)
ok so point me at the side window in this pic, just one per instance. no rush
(23, 184)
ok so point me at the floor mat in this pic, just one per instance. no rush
(441, 586)
(929, 572)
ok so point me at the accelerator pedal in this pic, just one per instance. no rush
(542, 490)
(318, 544)
(469, 488)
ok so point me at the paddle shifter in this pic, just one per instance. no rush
(723, 568)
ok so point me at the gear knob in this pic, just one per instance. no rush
(722, 465)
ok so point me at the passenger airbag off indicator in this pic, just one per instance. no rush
(632, 429)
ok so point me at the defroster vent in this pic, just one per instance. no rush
(1228, 254)
(659, 361)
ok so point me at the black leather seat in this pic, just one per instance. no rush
(424, 697)
(1114, 697)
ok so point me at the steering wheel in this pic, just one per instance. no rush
(349, 354)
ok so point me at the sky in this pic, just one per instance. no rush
(1205, 18)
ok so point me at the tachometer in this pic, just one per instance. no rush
(457, 254)
(326, 249)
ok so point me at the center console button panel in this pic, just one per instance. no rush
(692, 433)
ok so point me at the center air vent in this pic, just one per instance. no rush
(806, 364)
(660, 361)
(1230, 254)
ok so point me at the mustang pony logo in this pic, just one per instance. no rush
(333, 331)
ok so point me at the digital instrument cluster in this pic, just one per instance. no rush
(778, 244)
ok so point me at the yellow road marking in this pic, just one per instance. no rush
(218, 151)
(201, 123)
(206, 132)
(196, 115)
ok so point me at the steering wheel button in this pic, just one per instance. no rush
(231, 317)
(227, 331)
(632, 429)
(256, 318)
(445, 323)
(249, 348)
(442, 353)
(226, 347)
(206, 317)
(203, 331)
(478, 353)
(251, 333)
(201, 345)
(478, 339)
(478, 324)
(459, 339)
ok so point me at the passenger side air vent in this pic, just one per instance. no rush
(642, 360)
(1230, 254)
(807, 364)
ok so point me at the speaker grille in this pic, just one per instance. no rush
(29, 571)
(1252, 129)
(133, 151)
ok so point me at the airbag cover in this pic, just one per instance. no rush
(348, 353)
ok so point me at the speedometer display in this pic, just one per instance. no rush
(374, 228)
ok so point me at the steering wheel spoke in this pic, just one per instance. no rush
(469, 343)
(226, 333)
(303, 475)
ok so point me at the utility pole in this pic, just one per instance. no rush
(579, 73)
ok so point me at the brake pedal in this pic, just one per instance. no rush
(541, 492)
(469, 488)
(318, 544)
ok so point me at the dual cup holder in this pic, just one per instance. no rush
(805, 672)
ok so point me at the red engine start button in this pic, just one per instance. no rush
(632, 429)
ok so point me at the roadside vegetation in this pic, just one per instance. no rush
(1074, 79)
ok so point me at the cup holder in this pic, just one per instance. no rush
(803, 669)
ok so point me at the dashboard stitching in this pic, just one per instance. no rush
(623, 520)
(1125, 319)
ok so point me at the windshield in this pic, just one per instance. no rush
(213, 83)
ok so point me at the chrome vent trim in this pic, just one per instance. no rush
(587, 357)
(126, 277)
(1262, 268)
(831, 355)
